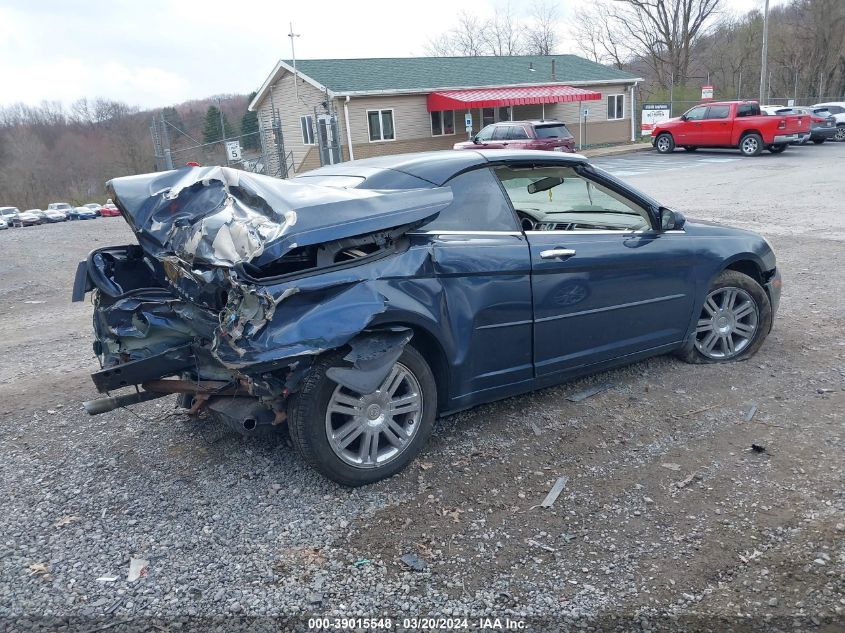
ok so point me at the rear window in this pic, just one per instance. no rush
(559, 130)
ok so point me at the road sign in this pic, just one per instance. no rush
(233, 150)
(586, 112)
(653, 113)
(706, 92)
(468, 119)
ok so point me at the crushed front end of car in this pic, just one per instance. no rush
(238, 283)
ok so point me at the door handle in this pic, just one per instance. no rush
(556, 253)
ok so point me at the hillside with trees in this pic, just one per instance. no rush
(50, 152)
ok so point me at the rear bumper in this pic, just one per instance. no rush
(825, 133)
(786, 138)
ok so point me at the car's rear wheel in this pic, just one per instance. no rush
(840, 133)
(818, 141)
(777, 149)
(357, 439)
(690, 148)
(664, 143)
(733, 323)
(751, 144)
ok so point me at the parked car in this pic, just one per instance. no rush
(9, 214)
(60, 206)
(54, 215)
(30, 217)
(3, 223)
(822, 122)
(82, 213)
(729, 124)
(109, 211)
(384, 292)
(96, 208)
(837, 109)
(542, 135)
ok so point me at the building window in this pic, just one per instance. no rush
(615, 107)
(443, 123)
(380, 123)
(307, 125)
(488, 116)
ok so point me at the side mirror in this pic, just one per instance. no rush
(683, 117)
(475, 139)
(671, 220)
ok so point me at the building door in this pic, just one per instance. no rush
(328, 139)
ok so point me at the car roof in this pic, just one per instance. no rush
(829, 103)
(439, 166)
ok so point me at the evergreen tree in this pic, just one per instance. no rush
(249, 127)
(211, 131)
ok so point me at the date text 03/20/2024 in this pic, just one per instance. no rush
(425, 624)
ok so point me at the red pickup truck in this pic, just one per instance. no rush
(735, 124)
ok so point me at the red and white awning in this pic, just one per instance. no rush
(507, 96)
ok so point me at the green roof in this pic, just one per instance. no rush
(429, 73)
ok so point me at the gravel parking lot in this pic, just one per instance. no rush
(668, 517)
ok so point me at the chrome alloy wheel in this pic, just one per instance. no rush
(840, 133)
(663, 144)
(727, 323)
(368, 431)
(749, 145)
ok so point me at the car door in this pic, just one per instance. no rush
(715, 128)
(519, 138)
(481, 262)
(484, 139)
(688, 131)
(605, 283)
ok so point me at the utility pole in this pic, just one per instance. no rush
(165, 137)
(222, 131)
(292, 35)
(763, 69)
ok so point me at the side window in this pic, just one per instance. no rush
(718, 112)
(559, 199)
(486, 134)
(518, 133)
(696, 114)
(501, 133)
(477, 205)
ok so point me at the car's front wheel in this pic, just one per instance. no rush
(733, 323)
(357, 439)
(664, 143)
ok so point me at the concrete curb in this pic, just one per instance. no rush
(613, 151)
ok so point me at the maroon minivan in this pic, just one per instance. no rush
(552, 136)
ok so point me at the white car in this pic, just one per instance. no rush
(9, 215)
(837, 110)
(54, 215)
(3, 224)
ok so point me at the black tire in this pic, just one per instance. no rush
(734, 279)
(690, 148)
(307, 421)
(751, 144)
(818, 141)
(664, 143)
(777, 149)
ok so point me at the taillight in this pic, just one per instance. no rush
(782, 124)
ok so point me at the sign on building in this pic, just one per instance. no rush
(653, 113)
(706, 92)
(468, 121)
(233, 150)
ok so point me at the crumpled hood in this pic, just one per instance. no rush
(222, 217)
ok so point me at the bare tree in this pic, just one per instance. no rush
(464, 40)
(541, 37)
(502, 34)
(661, 33)
(598, 37)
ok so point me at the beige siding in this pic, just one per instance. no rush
(289, 109)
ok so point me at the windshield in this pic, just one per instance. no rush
(558, 130)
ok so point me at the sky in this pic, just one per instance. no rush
(153, 53)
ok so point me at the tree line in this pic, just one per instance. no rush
(51, 152)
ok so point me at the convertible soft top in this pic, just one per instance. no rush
(223, 217)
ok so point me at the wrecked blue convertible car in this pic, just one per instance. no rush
(357, 302)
